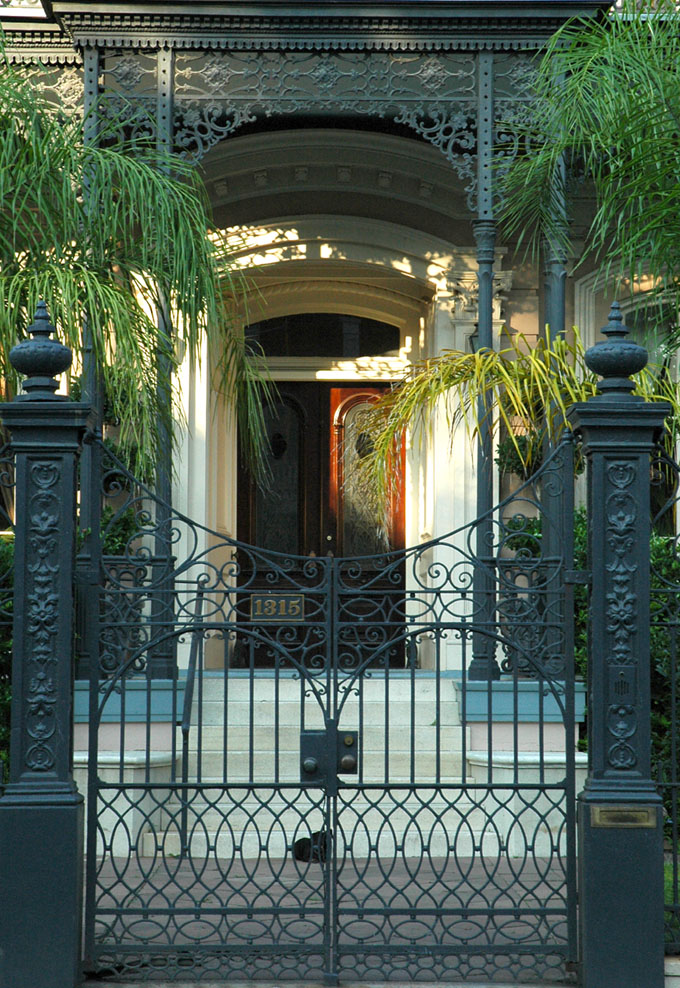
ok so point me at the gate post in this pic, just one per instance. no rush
(41, 810)
(619, 811)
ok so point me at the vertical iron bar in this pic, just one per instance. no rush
(386, 714)
(360, 746)
(332, 687)
(196, 640)
(438, 707)
(123, 722)
(277, 717)
(412, 673)
(463, 699)
(225, 709)
(515, 722)
(251, 717)
(673, 769)
(567, 617)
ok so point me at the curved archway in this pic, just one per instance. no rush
(361, 236)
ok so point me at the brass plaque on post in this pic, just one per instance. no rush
(283, 608)
(624, 816)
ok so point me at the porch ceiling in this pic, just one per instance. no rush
(337, 171)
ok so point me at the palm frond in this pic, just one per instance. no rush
(115, 232)
(607, 102)
(523, 382)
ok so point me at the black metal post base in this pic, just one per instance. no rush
(41, 876)
(621, 893)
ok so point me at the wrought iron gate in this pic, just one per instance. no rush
(326, 794)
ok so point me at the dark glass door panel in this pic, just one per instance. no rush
(278, 505)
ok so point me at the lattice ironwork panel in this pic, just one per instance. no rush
(324, 797)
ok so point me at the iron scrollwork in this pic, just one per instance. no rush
(378, 653)
(622, 603)
(218, 92)
(42, 623)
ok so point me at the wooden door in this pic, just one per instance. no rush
(360, 527)
(312, 504)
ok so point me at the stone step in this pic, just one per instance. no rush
(373, 687)
(399, 714)
(261, 737)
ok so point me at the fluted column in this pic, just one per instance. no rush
(483, 665)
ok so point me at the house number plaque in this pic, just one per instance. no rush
(279, 607)
(623, 816)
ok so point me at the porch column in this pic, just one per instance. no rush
(41, 811)
(161, 663)
(483, 665)
(619, 812)
(555, 277)
(88, 570)
(555, 262)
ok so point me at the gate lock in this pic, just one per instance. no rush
(317, 754)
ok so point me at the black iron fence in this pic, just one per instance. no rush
(327, 793)
(331, 800)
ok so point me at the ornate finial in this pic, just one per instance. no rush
(41, 358)
(616, 358)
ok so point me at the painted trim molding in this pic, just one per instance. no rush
(137, 704)
(479, 702)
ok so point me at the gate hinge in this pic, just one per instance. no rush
(580, 576)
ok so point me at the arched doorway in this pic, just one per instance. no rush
(313, 498)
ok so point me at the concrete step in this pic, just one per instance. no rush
(260, 699)
(399, 714)
(262, 737)
(266, 686)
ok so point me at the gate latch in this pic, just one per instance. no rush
(316, 755)
(348, 756)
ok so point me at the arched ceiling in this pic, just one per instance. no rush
(336, 171)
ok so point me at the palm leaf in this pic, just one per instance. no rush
(116, 232)
(525, 382)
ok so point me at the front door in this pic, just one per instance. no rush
(314, 500)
